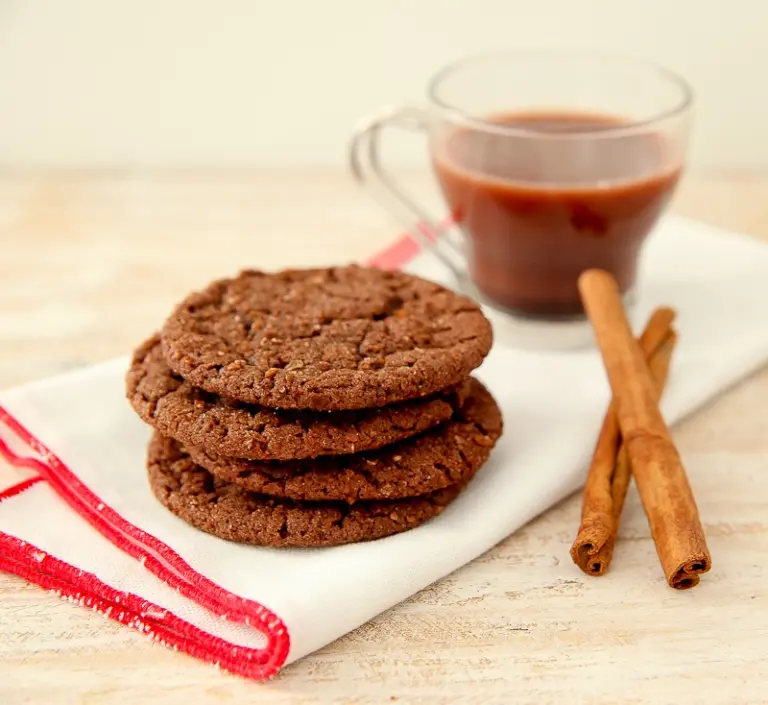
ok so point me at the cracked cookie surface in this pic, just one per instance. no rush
(233, 513)
(437, 459)
(230, 428)
(325, 339)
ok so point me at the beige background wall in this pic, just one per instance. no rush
(281, 82)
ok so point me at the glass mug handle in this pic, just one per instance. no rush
(367, 170)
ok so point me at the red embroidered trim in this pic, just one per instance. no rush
(19, 487)
(82, 587)
(406, 248)
(158, 558)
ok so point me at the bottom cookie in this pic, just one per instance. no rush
(231, 512)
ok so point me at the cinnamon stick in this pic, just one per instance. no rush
(659, 367)
(608, 477)
(656, 465)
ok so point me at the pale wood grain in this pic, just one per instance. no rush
(91, 262)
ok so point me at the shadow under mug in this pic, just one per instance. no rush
(550, 163)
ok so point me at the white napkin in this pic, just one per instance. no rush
(279, 605)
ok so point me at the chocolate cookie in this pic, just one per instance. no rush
(325, 339)
(440, 458)
(231, 428)
(233, 513)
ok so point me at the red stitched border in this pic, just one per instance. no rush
(158, 558)
(81, 587)
(32, 564)
(128, 537)
(19, 487)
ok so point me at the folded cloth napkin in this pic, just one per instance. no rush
(80, 519)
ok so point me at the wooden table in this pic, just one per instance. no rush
(90, 263)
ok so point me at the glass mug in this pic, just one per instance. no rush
(550, 163)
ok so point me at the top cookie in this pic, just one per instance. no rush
(325, 339)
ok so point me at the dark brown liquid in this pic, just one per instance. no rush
(539, 210)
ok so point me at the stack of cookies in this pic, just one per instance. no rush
(315, 407)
